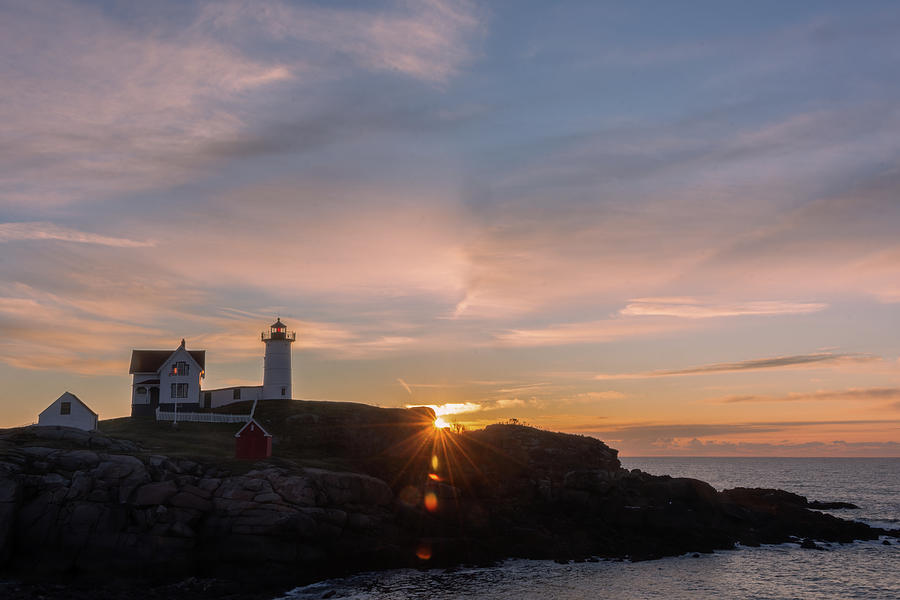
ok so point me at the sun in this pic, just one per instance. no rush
(440, 423)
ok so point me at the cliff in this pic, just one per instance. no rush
(87, 507)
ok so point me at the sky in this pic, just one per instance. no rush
(671, 226)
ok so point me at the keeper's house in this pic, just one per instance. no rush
(170, 380)
(163, 378)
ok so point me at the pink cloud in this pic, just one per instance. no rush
(693, 308)
(589, 332)
(800, 361)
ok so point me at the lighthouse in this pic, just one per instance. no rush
(277, 363)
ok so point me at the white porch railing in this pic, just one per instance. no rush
(200, 417)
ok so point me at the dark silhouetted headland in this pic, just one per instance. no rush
(144, 507)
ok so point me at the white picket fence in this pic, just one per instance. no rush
(200, 417)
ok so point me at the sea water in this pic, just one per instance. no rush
(859, 570)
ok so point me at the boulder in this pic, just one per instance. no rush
(154, 493)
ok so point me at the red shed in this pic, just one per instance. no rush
(252, 441)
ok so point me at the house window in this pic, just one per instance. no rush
(237, 394)
(180, 368)
(65, 408)
(179, 390)
(141, 391)
(283, 391)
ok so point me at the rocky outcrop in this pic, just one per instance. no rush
(83, 512)
(85, 506)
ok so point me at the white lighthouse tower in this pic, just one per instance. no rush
(277, 365)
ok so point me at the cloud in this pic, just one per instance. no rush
(588, 332)
(693, 308)
(105, 106)
(590, 397)
(101, 108)
(48, 231)
(405, 386)
(768, 438)
(428, 40)
(504, 403)
(863, 394)
(457, 408)
(757, 364)
(697, 447)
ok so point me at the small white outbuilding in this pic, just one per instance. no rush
(69, 411)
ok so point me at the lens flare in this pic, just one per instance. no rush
(434, 462)
(423, 552)
(431, 501)
(440, 423)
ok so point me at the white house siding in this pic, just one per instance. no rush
(192, 380)
(225, 396)
(139, 382)
(79, 416)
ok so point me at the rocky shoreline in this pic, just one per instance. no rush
(79, 509)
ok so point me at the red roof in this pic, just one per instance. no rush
(149, 361)
(247, 424)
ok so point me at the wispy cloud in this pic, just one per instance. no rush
(103, 107)
(765, 438)
(817, 360)
(693, 308)
(855, 394)
(48, 231)
(425, 40)
(587, 332)
(453, 408)
(405, 386)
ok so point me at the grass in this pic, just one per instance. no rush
(306, 433)
(188, 439)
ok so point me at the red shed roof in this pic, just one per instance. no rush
(247, 424)
(149, 361)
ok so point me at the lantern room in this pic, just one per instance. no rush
(278, 331)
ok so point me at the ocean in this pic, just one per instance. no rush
(858, 570)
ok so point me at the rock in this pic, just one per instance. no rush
(209, 484)
(596, 480)
(154, 493)
(9, 490)
(10, 496)
(37, 452)
(75, 460)
(352, 488)
(192, 501)
(260, 521)
(51, 480)
(181, 529)
(117, 466)
(524, 492)
(267, 497)
(296, 490)
(831, 505)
